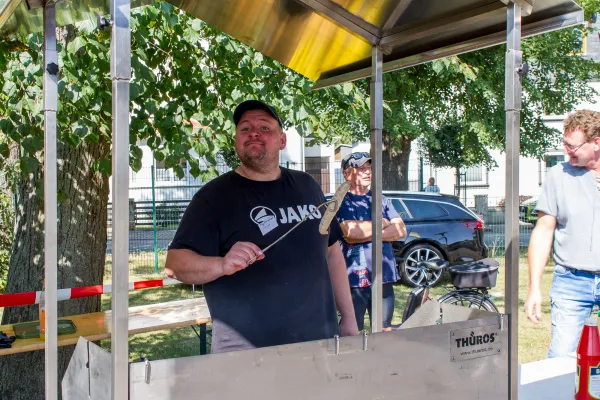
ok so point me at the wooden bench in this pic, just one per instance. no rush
(142, 319)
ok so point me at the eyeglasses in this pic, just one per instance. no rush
(571, 148)
(355, 156)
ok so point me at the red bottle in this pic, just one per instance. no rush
(587, 384)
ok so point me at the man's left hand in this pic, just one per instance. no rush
(348, 327)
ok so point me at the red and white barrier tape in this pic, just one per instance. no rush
(30, 298)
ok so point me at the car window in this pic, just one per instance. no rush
(425, 209)
(400, 209)
(457, 213)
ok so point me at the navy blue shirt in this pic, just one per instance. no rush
(288, 296)
(358, 255)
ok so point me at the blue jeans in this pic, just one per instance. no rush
(572, 298)
(361, 298)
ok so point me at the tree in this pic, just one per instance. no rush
(453, 146)
(470, 89)
(182, 70)
(7, 211)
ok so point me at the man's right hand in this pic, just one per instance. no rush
(533, 306)
(238, 257)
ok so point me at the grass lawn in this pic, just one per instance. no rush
(533, 339)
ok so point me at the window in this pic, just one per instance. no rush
(458, 213)
(425, 209)
(397, 204)
(318, 168)
(472, 174)
(551, 160)
(339, 177)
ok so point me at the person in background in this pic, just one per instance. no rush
(569, 221)
(432, 187)
(354, 216)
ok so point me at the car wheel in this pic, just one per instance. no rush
(410, 274)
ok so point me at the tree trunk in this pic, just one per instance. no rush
(395, 162)
(82, 219)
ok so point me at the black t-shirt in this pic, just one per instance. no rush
(285, 298)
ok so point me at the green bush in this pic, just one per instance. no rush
(7, 215)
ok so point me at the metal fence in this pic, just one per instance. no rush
(158, 199)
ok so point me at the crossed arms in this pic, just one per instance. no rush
(362, 231)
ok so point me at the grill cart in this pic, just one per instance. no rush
(331, 42)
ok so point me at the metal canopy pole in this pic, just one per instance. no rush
(376, 183)
(514, 61)
(120, 53)
(50, 201)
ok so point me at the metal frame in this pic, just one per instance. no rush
(380, 365)
(121, 75)
(344, 18)
(535, 28)
(120, 51)
(388, 365)
(526, 6)
(439, 28)
(513, 94)
(376, 88)
(395, 16)
(50, 200)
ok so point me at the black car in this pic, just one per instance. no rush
(438, 226)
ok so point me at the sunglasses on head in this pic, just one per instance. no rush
(355, 156)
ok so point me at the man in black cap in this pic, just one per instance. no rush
(354, 217)
(286, 296)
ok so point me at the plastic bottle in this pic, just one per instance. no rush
(42, 315)
(587, 384)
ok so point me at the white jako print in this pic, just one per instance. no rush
(265, 218)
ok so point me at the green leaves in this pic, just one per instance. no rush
(468, 90)
(103, 166)
(77, 43)
(32, 144)
(135, 157)
(182, 71)
(9, 89)
(29, 165)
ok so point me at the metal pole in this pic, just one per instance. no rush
(421, 174)
(152, 175)
(120, 52)
(514, 59)
(376, 183)
(50, 200)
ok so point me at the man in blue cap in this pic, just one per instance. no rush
(255, 300)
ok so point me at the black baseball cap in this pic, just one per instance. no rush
(356, 160)
(250, 105)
